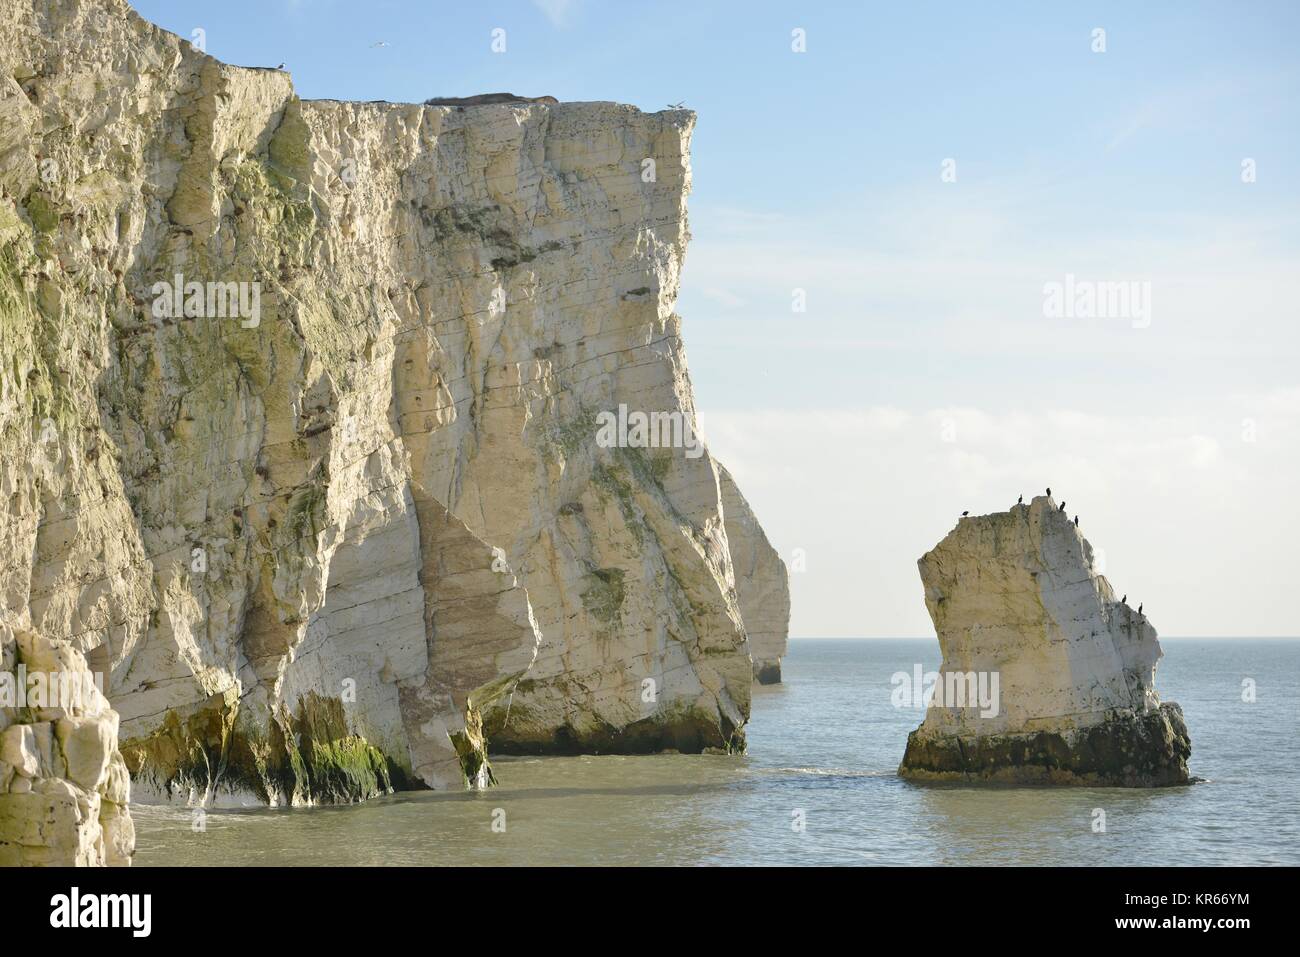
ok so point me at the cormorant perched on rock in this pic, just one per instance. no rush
(1139, 609)
(1062, 506)
(1049, 491)
(1021, 500)
(964, 514)
(1124, 600)
(1076, 521)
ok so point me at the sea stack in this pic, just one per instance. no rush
(1020, 610)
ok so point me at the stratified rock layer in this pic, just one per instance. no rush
(64, 788)
(318, 548)
(1016, 593)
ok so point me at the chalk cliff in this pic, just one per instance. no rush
(298, 423)
(762, 583)
(64, 788)
(1015, 594)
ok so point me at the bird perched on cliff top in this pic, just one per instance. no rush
(964, 514)
(1062, 506)
(1139, 608)
(1021, 500)
(280, 67)
(1049, 491)
(1124, 600)
(1076, 521)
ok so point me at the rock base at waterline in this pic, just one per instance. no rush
(1132, 750)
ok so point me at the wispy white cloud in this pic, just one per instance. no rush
(557, 11)
(1192, 106)
(1189, 508)
(723, 297)
(968, 275)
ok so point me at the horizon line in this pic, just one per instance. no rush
(935, 638)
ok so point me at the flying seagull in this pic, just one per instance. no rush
(379, 43)
(677, 106)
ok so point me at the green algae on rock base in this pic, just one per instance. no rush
(685, 730)
(307, 758)
(1148, 750)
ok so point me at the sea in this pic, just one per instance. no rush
(818, 786)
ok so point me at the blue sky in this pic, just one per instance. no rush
(924, 378)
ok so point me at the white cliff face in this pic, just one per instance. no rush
(64, 788)
(1019, 607)
(762, 583)
(329, 545)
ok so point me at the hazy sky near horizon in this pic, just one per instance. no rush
(926, 376)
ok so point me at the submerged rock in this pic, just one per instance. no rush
(298, 430)
(1066, 672)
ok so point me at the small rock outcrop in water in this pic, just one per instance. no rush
(1019, 609)
(64, 788)
(298, 423)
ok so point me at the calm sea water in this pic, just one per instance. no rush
(826, 743)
